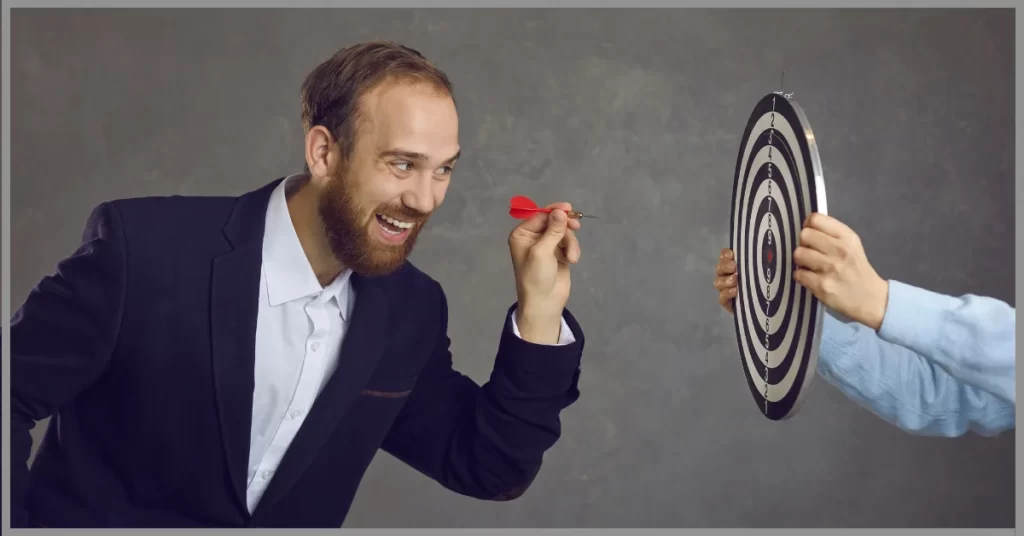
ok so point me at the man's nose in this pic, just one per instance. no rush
(420, 197)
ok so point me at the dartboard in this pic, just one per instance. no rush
(778, 183)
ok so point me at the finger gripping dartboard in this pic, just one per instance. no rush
(778, 183)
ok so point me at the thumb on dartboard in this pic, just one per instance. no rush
(726, 279)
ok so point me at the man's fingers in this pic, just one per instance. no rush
(556, 230)
(728, 289)
(725, 282)
(572, 224)
(561, 205)
(818, 241)
(725, 267)
(810, 259)
(726, 299)
(538, 223)
(809, 280)
(726, 264)
(560, 257)
(828, 225)
(535, 224)
(570, 246)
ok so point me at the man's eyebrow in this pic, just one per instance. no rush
(454, 158)
(413, 155)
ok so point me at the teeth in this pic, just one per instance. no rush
(396, 223)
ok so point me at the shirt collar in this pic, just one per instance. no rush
(288, 272)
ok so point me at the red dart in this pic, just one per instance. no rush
(522, 207)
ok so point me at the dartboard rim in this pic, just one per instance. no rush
(819, 203)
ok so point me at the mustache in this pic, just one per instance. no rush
(404, 213)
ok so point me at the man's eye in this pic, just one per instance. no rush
(408, 166)
(446, 170)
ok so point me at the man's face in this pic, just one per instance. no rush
(375, 206)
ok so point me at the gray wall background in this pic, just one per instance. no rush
(634, 115)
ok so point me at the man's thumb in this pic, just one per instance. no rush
(557, 223)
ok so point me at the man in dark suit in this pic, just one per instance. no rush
(237, 362)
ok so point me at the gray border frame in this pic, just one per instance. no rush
(5, 212)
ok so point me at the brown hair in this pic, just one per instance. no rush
(331, 93)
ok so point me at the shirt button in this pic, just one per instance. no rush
(266, 474)
(315, 346)
(295, 414)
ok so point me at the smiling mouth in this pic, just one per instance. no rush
(392, 226)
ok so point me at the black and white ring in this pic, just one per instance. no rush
(777, 184)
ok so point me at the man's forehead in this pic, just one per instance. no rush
(394, 101)
(412, 119)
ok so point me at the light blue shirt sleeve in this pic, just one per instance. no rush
(916, 387)
(973, 338)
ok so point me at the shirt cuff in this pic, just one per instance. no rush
(565, 335)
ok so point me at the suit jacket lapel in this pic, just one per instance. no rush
(233, 314)
(364, 343)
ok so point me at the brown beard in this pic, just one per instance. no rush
(348, 229)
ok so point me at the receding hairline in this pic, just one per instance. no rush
(389, 81)
(399, 79)
(392, 80)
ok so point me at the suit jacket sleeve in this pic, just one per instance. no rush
(488, 441)
(63, 336)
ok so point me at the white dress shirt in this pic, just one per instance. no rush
(299, 332)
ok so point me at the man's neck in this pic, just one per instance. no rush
(302, 209)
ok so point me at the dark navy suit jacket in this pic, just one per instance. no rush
(141, 348)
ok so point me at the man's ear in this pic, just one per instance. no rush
(319, 146)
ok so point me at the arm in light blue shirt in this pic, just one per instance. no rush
(939, 365)
(973, 338)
